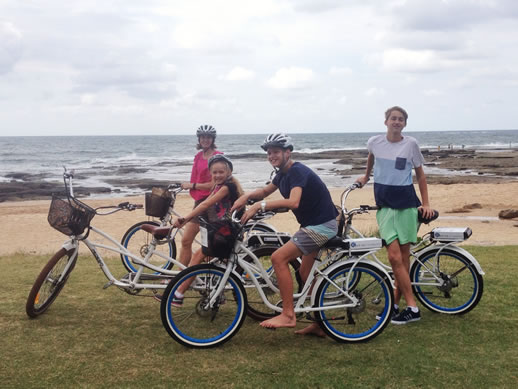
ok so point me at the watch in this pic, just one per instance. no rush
(263, 206)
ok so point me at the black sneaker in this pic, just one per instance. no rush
(177, 301)
(395, 311)
(406, 316)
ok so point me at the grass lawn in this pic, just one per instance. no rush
(91, 337)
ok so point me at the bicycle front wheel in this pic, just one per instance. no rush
(50, 282)
(196, 322)
(446, 283)
(137, 240)
(358, 323)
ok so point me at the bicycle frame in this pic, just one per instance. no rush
(329, 264)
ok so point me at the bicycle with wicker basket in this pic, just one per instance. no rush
(72, 217)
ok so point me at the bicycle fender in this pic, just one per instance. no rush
(455, 249)
(353, 261)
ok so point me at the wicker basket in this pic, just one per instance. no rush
(69, 215)
(157, 205)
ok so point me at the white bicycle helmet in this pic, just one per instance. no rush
(206, 130)
(221, 158)
(277, 140)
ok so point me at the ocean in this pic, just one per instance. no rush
(102, 160)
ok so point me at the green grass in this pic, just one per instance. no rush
(92, 337)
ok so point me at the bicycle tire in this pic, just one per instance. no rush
(48, 285)
(256, 308)
(194, 324)
(359, 323)
(463, 286)
(137, 240)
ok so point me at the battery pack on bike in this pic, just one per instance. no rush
(450, 234)
(267, 238)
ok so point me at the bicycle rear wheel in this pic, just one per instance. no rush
(256, 308)
(374, 292)
(447, 283)
(137, 240)
(196, 323)
(50, 282)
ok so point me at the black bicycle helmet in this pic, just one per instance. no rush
(277, 140)
(206, 130)
(221, 158)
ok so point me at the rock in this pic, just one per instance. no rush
(508, 213)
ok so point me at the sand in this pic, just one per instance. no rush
(25, 228)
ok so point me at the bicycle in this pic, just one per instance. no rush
(343, 292)
(73, 218)
(161, 206)
(445, 277)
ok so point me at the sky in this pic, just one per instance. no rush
(134, 67)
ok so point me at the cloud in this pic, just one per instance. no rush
(374, 91)
(404, 60)
(340, 71)
(239, 74)
(10, 46)
(291, 78)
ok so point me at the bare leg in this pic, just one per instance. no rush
(280, 259)
(196, 259)
(305, 268)
(399, 257)
(189, 233)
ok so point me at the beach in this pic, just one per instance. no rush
(476, 205)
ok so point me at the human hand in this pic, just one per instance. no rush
(362, 181)
(179, 222)
(186, 185)
(239, 203)
(426, 211)
(250, 212)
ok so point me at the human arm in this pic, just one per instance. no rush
(257, 194)
(426, 210)
(198, 185)
(366, 177)
(291, 202)
(203, 206)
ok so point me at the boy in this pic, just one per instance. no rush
(307, 196)
(393, 156)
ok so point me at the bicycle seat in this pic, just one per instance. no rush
(157, 231)
(427, 220)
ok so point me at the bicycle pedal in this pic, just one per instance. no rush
(108, 284)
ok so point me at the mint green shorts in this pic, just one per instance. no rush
(398, 224)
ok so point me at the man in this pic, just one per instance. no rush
(307, 196)
(393, 157)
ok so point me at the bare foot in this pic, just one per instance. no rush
(279, 322)
(312, 329)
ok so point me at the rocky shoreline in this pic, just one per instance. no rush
(457, 166)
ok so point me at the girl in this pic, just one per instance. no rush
(199, 185)
(226, 189)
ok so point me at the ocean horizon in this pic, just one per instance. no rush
(104, 160)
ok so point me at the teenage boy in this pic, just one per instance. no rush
(309, 199)
(393, 157)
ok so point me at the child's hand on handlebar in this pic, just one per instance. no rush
(179, 222)
(361, 181)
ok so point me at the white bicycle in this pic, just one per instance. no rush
(445, 278)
